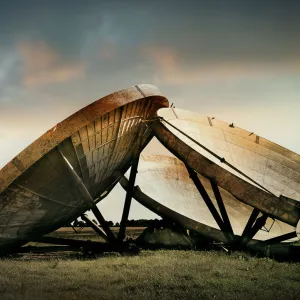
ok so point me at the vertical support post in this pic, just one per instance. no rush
(221, 206)
(82, 190)
(128, 198)
(132, 177)
(208, 202)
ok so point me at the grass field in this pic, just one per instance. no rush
(160, 274)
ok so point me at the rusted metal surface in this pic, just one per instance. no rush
(274, 168)
(37, 192)
(164, 186)
(98, 113)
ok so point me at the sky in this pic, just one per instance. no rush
(238, 61)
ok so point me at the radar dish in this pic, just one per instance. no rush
(254, 170)
(37, 193)
(166, 188)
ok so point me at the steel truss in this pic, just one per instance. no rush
(254, 224)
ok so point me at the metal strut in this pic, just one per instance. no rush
(250, 222)
(279, 238)
(128, 198)
(252, 228)
(96, 228)
(132, 177)
(210, 205)
(82, 190)
(221, 206)
(75, 225)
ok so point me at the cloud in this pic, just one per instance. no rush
(165, 58)
(9, 76)
(42, 65)
(170, 68)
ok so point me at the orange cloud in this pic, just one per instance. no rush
(171, 70)
(43, 65)
(166, 59)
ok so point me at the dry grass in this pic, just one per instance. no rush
(160, 274)
(151, 275)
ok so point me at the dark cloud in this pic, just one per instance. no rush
(100, 46)
(61, 24)
(212, 29)
(235, 30)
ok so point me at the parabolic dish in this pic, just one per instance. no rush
(166, 188)
(256, 171)
(37, 193)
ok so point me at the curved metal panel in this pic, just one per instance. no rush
(164, 187)
(261, 170)
(166, 180)
(37, 193)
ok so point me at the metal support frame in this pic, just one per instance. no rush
(127, 204)
(223, 225)
(110, 236)
(132, 177)
(74, 229)
(221, 206)
(264, 228)
(253, 225)
(260, 222)
(89, 200)
(279, 238)
(250, 222)
(74, 226)
(96, 228)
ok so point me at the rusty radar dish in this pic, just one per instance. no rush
(254, 170)
(44, 187)
(165, 187)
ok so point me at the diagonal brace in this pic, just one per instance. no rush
(96, 228)
(221, 206)
(208, 202)
(250, 233)
(82, 190)
(250, 222)
(279, 238)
